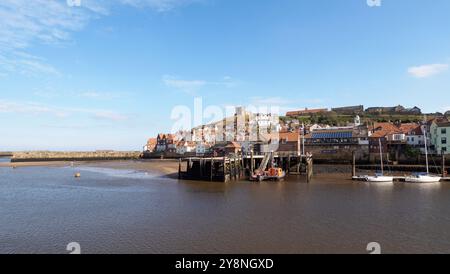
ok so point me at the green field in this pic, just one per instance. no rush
(334, 119)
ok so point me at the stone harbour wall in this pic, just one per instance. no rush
(42, 156)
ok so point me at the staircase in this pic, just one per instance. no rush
(265, 162)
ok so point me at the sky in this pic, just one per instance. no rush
(108, 74)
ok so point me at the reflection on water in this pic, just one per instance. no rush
(124, 211)
(119, 173)
(5, 159)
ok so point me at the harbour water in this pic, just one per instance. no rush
(107, 210)
(4, 159)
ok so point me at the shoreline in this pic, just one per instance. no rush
(161, 167)
(169, 167)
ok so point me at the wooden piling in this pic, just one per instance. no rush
(443, 166)
(225, 170)
(212, 170)
(179, 169)
(353, 164)
(309, 169)
(288, 169)
(252, 162)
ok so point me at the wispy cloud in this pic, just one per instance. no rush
(192, 86)
(35, 108)
(25, 64)
(184, 85)
(50, 93)
(30, 108)
(425, 71)
(158, 5)
(24, 23)
(95, 95)
(109, 115)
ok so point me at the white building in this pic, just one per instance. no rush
(184, 147)
(201, 148)
(415, 137)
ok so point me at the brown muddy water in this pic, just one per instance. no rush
(111, 210)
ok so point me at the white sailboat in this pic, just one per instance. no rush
(379, 177)
(424, 177)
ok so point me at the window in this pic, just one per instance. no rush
(443, 131)
(444, 149)
(444, 140)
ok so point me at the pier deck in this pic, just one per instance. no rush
(237, 167)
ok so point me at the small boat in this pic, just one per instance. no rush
(272, 174)
(379, 177)
(423, 178)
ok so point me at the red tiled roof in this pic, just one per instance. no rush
(408, 127)
(383, 129)
(151, 141)
(233, 145)
(289, 136)
(417, 131)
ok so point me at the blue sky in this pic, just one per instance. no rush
(107, 74)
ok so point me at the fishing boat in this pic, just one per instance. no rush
(424, 177)
(272, 174)
(379, 177)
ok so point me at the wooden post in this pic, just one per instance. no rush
(443, 166)
(179, 169)
(212, 169)
(234, 167)
(225, 169)
(309, 169)
(353, 164)
(252, 162)
(288, 170)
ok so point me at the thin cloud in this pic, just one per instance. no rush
(25, 64)
(192, 86)
(24, 23)
(91, 95)
(34, 108)
(426, 71)
(158, 5)
(109, 115)
(184, 85)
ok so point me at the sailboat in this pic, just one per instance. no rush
(424, 177)
(379, 177)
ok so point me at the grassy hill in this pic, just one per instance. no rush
(334, 119)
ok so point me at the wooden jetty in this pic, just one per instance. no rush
(240, 167)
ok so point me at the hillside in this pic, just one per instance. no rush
(334, 119)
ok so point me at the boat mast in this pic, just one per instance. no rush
(426, 150)
(381, 156)
(303, 139)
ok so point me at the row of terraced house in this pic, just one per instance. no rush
(399, 140)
